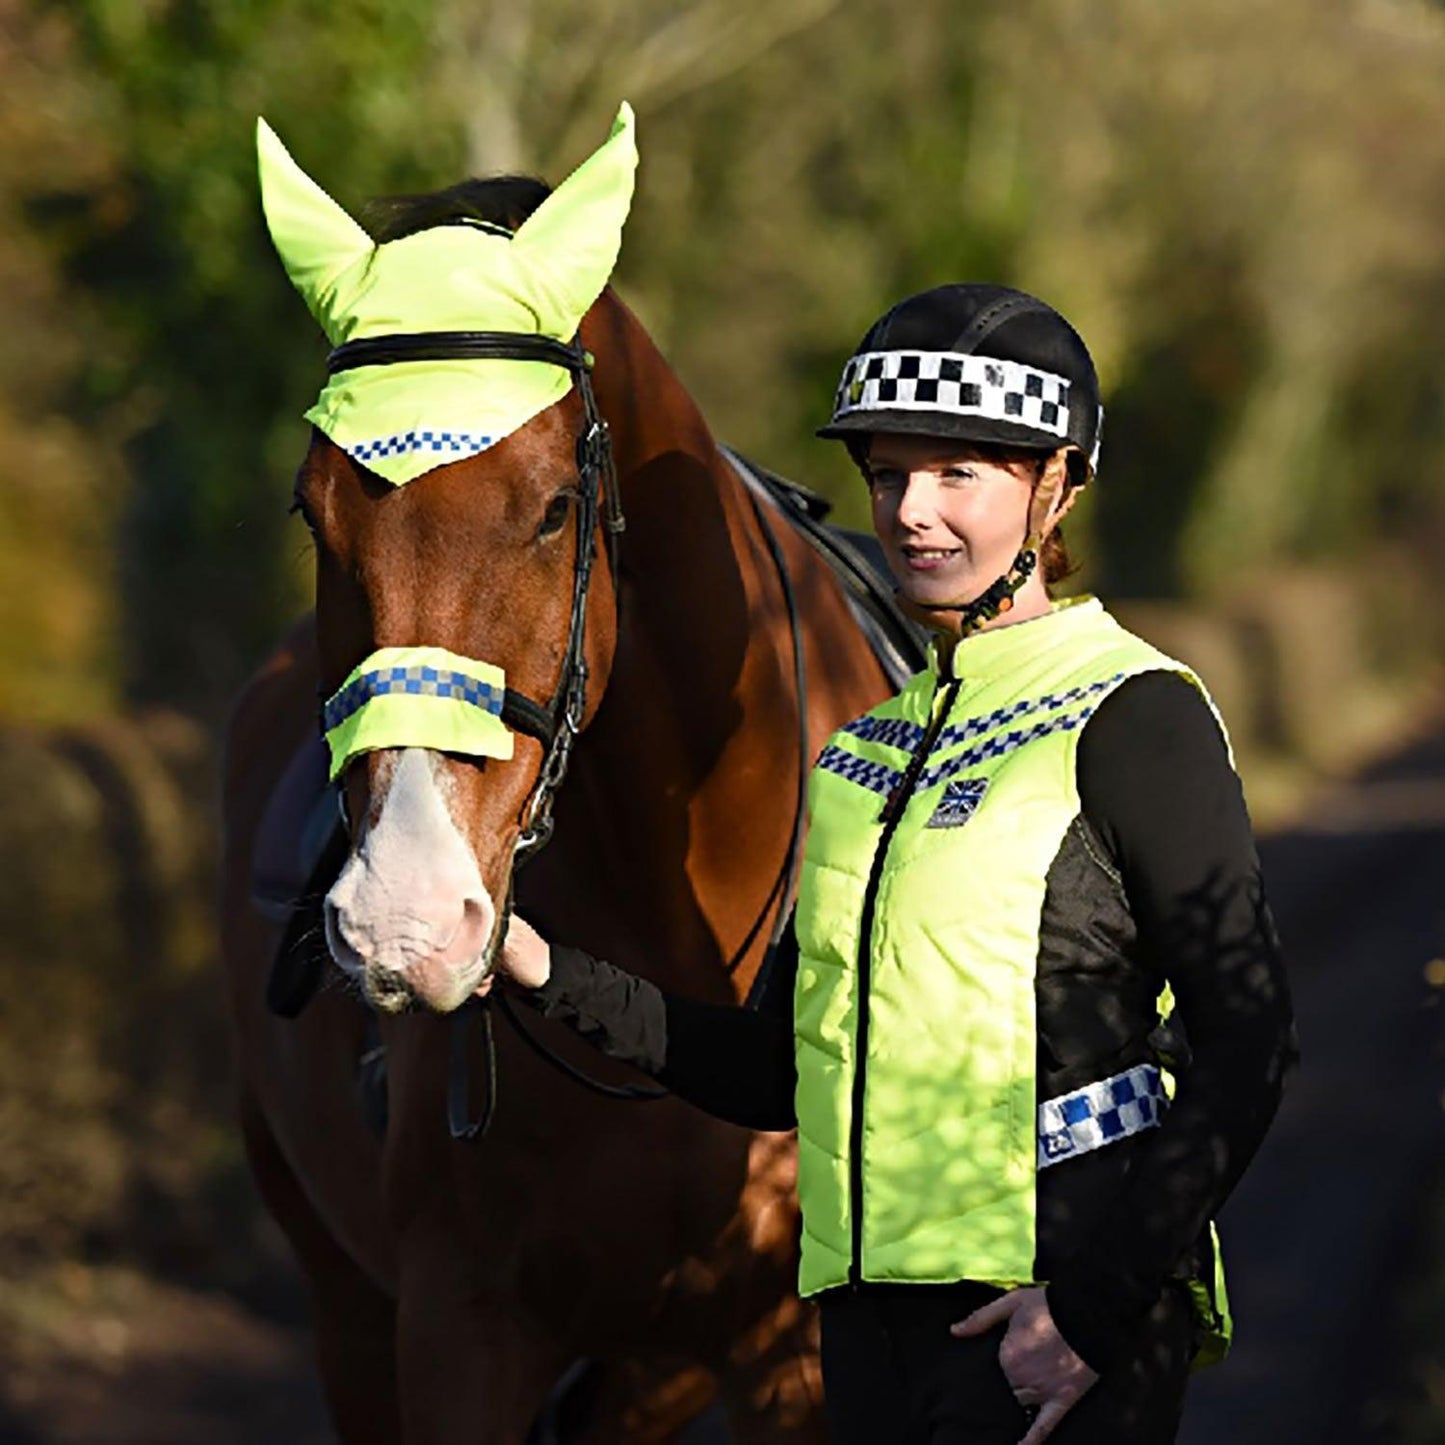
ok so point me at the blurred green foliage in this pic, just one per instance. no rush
(1240, 207)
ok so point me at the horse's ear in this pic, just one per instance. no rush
(320, 245)
(568, 246)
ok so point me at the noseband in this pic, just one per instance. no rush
(554, 724)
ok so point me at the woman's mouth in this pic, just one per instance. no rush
(928, 559)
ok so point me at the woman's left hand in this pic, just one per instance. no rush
(1043, 1372)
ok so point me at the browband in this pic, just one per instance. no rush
(456, 346)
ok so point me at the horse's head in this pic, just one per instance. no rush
(459, 492)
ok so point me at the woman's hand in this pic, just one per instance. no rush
(525, 955)
(1043, 1372)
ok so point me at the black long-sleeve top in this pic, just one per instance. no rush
(1158, 790)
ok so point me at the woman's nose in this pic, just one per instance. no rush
(915, 502)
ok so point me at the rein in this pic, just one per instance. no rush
(468, 1128)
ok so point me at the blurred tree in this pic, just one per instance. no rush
(1260, 237)
(1251, 249)
(201, 317)
(60, 493)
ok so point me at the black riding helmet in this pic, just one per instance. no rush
(981, 363)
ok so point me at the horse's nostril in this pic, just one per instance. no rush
(339, 931)
(473, 931)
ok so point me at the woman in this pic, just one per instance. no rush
(1008, 867)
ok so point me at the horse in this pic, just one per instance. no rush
(453, 1283)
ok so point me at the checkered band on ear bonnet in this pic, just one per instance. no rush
(980, 363)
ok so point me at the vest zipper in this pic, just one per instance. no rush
(892, 814)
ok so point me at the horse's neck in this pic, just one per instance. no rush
(688, 545)
(650, 412)
(682, 788)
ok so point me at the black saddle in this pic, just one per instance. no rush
(855, 559)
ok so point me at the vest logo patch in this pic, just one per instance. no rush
(1057, 1145)
(959, 802)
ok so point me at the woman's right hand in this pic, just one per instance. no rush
(525, 955)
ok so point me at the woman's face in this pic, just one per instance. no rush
(951, 523)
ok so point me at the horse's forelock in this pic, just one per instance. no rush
(504, 201)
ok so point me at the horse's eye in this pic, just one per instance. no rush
(555, 517)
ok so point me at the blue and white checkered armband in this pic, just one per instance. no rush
(1100, 1114)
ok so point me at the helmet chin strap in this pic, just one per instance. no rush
(998, 598)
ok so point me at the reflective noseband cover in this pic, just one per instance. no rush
(418, 697)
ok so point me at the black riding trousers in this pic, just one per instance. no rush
(893, 1375)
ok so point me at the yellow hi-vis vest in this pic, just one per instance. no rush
(933, 823)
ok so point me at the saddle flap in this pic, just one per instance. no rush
(299, 819)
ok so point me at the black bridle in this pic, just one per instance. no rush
(557, 723)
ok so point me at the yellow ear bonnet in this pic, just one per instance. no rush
(404, 420)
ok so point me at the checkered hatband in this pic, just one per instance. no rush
(945, 381)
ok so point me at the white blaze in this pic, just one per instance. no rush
(410, 914)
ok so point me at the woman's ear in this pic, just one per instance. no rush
(1061, 481)
(1053, 496)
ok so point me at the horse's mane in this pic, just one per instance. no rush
(497, 201)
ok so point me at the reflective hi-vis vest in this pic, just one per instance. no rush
(934, 821)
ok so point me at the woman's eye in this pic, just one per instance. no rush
(555, 517)
(959, 474)
(885, 481)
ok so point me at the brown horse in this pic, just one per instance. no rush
(452, 1282)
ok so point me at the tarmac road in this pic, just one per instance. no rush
(1317, 1236)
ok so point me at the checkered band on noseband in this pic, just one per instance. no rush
(414, 681)
(1100, 1114)
(458, 443)
(952, 382)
